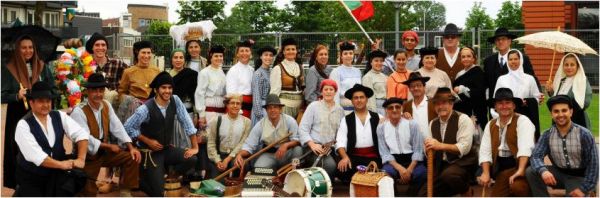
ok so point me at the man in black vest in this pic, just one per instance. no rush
(451, 139)
(42, 162)
(496, 65)
(152, 125)
(357, 136)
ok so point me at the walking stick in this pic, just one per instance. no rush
(219, 177)
(483, 191)
(429, 173)
(24, 99)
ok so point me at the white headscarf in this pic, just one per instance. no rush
(579, 80)
(516, 78)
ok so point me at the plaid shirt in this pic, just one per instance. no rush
(112, 71)
(577, 150)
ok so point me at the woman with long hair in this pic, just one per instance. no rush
(287, 78)
(261, 84)
(570, 80)
(318, 71)
(23, 69)
(193, 59)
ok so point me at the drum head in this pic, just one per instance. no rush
(308, 182)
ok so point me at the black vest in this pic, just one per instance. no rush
(351, 123)
(159, 127)
(56, 152)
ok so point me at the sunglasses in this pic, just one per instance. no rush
(394, 107)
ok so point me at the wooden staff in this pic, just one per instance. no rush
(430, 173)
(483, 191)
(283, 139)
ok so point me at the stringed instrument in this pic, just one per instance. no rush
(266, 183)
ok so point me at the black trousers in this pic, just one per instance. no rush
(15, 111)
(152, 179)
(33, 185)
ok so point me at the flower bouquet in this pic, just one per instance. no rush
(72, 70)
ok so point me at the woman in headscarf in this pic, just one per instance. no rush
(18, 75)
(470, 86)
(523, 86)
(318, 71)
(134, 87)
(376, 80)
(570, 80)
(438, 78)
(287, 78)
(192, 56)
(395, 87)
(261, 85)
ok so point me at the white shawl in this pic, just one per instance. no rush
(579, 80)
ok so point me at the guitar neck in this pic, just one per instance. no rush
(278, 191)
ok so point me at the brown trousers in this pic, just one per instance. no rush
(502, 188)
(129, 169)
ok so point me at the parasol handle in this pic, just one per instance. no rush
(430, 173)
(553, 57)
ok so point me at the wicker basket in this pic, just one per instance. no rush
(234, 186)
(366, 184)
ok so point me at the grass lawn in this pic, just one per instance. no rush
(592, 110)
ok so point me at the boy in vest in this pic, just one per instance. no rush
(99, 118)
(572, 151)
(267, 131)
(152, 125)
(451, 139)
(401, 147)
(356, 140)
(506, 145)
(42, 162)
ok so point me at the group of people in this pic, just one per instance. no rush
(195, 119)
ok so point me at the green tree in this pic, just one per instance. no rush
(162, 44)
(509, 16)
(433, 12)
(478, 19)
(255, 17)
(194, 11)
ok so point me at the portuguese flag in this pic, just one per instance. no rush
(362, 10)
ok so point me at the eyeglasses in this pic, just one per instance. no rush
(394, 107)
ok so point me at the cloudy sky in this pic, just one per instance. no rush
(456, 10)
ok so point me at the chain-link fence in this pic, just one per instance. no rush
(120, 45)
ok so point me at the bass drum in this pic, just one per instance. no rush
(308, 182)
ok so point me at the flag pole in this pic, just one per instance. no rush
(355, 20)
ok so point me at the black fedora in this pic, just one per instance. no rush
(40, 89)
(266, 49)
(96, 80)
(393, 100)
(451, 29)
(504, 94)
(273, 99)
(414, 76)
(501, 32)
(443, 94)
(358, 87)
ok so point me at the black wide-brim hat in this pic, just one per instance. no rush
(392, 101)
(89, 45)
(501, 32)
(161, 79)
(96, 80)
(443, 94)
(347, 46)
(137, 46)
(273, 99)
(504, 94)
(356, 88)
(40, 89)
(377, 53)
(246, 43)
(288, 41)
(428, 51)
(414, 76)
(266, 49)
(451, 29)
(216, 49)
(559, 99)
